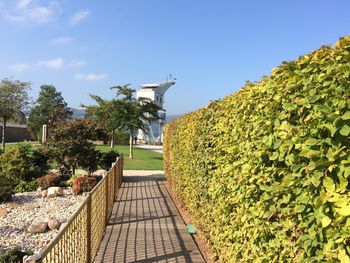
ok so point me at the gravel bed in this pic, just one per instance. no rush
(27, 208)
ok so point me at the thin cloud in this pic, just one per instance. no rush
(76, 63)
(64, 40)
(23, 4)
(90, 77)
(19, 67)
(29, 11)
(52, 64)
(79, 16)
(56, 63)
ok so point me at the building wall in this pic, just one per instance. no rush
(17, 134)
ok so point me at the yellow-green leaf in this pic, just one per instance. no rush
(344, 211)
(345, 130)
(346, 116)
(343, 257)
(326, 221)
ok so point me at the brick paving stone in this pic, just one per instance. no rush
(145, 226)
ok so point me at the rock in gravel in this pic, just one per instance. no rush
(51, 195)
(55, 189)
(13, 205)
(54, 224)
(3, 212)
(38, 227)
(31, 206)
(43, 193)
(62, 203)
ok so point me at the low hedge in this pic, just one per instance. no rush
(265, 171)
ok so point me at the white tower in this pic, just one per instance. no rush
(155, 92)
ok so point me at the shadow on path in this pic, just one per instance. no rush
(145, 226)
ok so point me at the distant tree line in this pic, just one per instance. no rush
(119, 115)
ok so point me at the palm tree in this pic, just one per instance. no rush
(124, 112)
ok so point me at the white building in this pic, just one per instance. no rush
(155, 92)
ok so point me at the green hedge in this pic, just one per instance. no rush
(265, 172)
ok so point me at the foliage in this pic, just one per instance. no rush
(6, 191)
(39, 161)
(21, 162)
(125, 112)
(15, 163)
(265, 172)
(50, 179)
(84, 184)
(13, 100)
(14, 255)
(70, 146)
(107, 158)
(24, 186)
(121, 137)
(49, 107)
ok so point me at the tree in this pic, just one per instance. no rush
(125, 112)
(69, 143)
(13, 100)
(49, 107)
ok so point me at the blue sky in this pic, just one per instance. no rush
(211, 47)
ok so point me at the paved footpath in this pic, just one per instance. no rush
(145, 226)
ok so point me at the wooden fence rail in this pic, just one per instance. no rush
(79, 240)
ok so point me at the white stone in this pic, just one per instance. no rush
(55, 189)
(51, 195)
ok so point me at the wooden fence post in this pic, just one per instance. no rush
(88, 230)
(106, 197)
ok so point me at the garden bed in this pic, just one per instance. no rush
(27, 208)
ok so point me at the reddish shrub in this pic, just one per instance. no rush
(84, 184)
(51, 179)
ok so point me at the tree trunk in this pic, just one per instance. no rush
(113, 139)
(3, 134)
(131, 154)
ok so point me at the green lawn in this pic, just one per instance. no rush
(143, 159)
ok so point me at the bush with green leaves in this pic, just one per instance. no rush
(15, 162)
(265, 172)
(6, 189)
(23, 163)
(14, 255)
(69, 144)
(107, 158)
(25, 186)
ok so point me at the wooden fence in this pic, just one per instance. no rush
(79, 240)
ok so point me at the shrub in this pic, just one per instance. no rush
(107, 159)
(14, 255)
(6, 191)
(24, 186)
(265, 172)
(15, 162)
(39, 161)
(70, 146)
(51, 179)
(21, 162)
(91, 159)
(84, 184)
